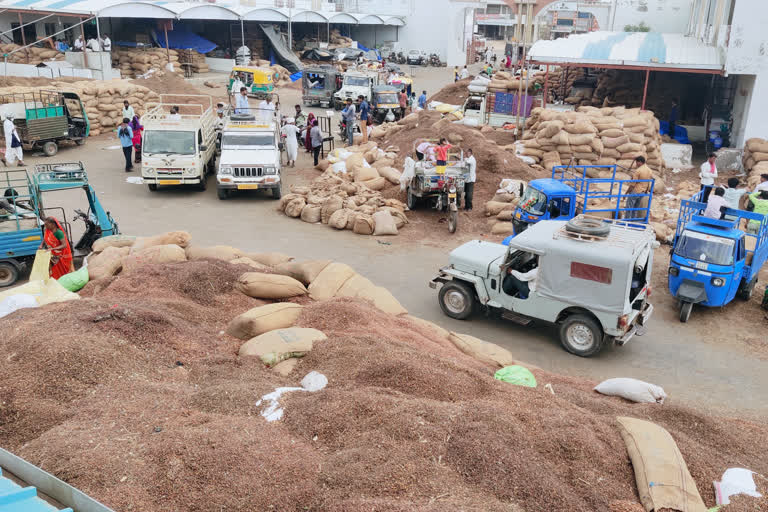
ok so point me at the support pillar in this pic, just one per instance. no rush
(645, 88)
(85, 53)
(546, 87)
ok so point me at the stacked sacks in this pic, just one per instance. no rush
(31, 55)
(592, 136)
(755, 160)
(199, 65)
(501, 208)
(560, 80)
(103, 99)
(134, 62)
(502, 81)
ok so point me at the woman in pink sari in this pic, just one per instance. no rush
(307, 139)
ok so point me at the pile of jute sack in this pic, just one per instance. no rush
(503, 81)
(755, 160)
(501, 208)
(103, 99)
(348, 193)
(135, 62)
(31, 55)
(593, 136)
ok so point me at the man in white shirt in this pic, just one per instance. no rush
(763, 185)
(79, 44)
(241, 102)
(128, 112)
(464, 73)
(266, 108)
(106, 43)
(174, 115)
(733, 194)
(469, 183)
(716, 204)
(237, 84)
(13, 149)
(708, 173)
(521, 284)
(93, 45)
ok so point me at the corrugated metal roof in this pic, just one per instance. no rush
(647, 49)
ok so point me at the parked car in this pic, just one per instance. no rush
(415, 58)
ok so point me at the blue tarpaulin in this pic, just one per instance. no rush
(182, 39)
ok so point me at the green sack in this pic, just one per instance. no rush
(74, 281)
(517, 375)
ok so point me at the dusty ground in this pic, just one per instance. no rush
(722, 370)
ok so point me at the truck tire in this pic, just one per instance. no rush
(277, 192)
(411, 200)
(746, 289)
(203, 182)
(80, 142)
(9, 274)
(587, 226)
(581, 335)
(457, 299)
(222, 193)
(152, 187)
(453, 220)
(50, 148)
(685, 311)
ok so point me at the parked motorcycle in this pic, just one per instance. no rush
(343, 131)
(91, 234)
(401, 58)
(434, 60)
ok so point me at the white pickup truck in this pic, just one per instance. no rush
(250, 154)
(180, 148)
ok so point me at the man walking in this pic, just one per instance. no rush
(423, 100)
(634, 204)
(13, 150)
(469, 184)
(125, 134)
(128, 110)
(364, 112)
(403, 103)
(317, 139)
(464, 72)
(350, 115)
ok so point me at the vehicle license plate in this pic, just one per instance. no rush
(248, 186)
(451, 196)
(169, 182)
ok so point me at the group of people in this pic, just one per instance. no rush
(103, 44)
(438, 154)
(129, 133)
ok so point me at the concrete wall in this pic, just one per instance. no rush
(437, 26)
(661, 15)
(747, 55)
(372, 36)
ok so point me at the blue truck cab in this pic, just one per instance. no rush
(570, 192)
(713, 260)
(24, 201)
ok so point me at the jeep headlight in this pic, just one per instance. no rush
(270, 170)
(148, 170)
(225, 170)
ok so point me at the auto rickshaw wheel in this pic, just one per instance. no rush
(685, 311)
(50, 148)
(8, 274)
(453, 220)
(746, 289)
(80, 142)
(410, 199)
(152, 187)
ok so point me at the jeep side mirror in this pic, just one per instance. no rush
(203, 147)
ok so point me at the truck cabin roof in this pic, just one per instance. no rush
(715, 227)
(386, 89)
(551, 186)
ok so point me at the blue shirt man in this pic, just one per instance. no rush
(350, 114)
(364, 110)
(423, 100)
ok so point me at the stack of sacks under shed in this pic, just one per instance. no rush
(755, 160)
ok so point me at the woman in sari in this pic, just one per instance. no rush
(55, 239)
(307, 139)
(137, 130)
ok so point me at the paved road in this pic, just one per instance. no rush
(670, 354)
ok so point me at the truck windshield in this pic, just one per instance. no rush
(706, 248)
(169, 142)
(533, 201)
(356, 81)
(243, 140)
(386, 98)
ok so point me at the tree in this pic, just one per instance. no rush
(642, 27)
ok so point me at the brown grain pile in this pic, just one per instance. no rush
(453, 94)
(137, 397)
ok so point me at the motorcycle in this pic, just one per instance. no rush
(91, 234)
(401, 58)
(343, 131)
(449, 196)
(434, 60)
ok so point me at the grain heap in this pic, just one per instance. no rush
(593, 136)
(31, 55)
(348, 194)
(135, 62)
(197, 59)
(103, 99)
(153, 386)
(755, 160)
(339, 41)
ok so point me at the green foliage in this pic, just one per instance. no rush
(642, 27)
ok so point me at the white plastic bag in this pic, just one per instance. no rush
(477, 88)
(735, 481)
(340, 167)
(409, 171)
(16, 302)
(633, 390)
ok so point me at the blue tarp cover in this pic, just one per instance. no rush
(182, 39)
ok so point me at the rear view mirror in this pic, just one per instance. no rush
(203, 147)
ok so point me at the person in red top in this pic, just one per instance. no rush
(441, 151)
(137, 128)
(403, 103)
(56, 241)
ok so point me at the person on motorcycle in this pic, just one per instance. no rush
(300, 118)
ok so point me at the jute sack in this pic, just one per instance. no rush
(612, 133)
(339, 219)
(391, 174)
(311, 213)
(281, 344)
(363, 224)
(269, 286)
(383, 300)
(663, 479)
(502, 229)
(263, 319)
(506, 215)
(216, 252)
(375, 184)
(180, 238)
(330, 280)
(331, 206)
(493, 208)
(580, 127)
(577, 139)
(429, 326)
(270, 259)
(614, 142)
(304, 272)
(113, 241)
(295, 206)
(153, 255)
(384, 223)
(107, 263)
(353, 286)
(481, 350)
(248, 261)
(756, 145)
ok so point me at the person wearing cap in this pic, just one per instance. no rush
(13, 151)
(290, 133)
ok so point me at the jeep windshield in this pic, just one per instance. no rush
(387, 98)
(168, 142)
(705, 248)
(356, 81)
(533, 201)
(245, 141)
